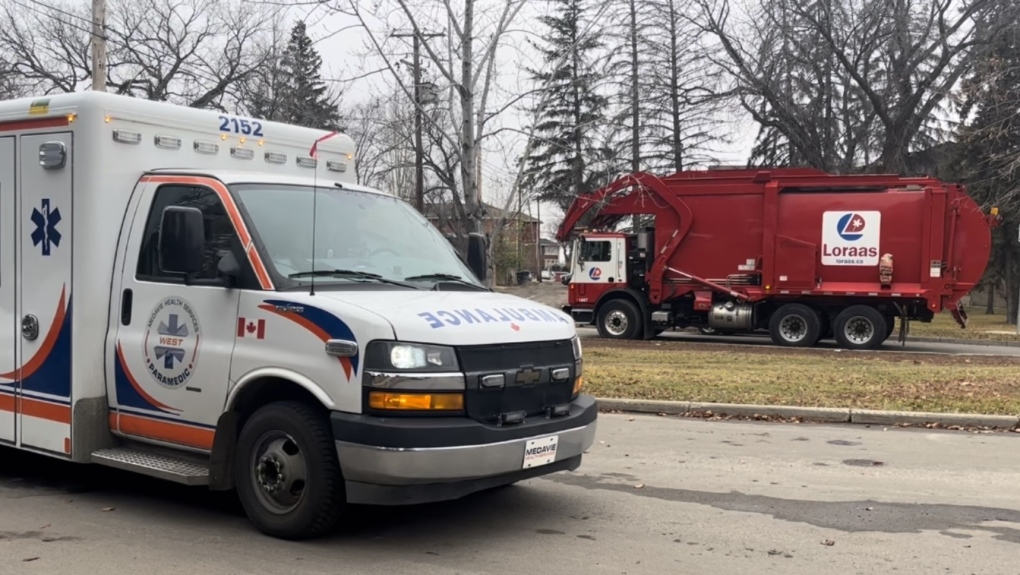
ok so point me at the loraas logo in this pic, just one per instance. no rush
(851, 238)
(595, 273)
(851, 227)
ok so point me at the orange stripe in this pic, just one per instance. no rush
(166, 431)
(45, 410)
(235, 218)
(134, 383)
(43, 353)
(6, 403)
(55, 122)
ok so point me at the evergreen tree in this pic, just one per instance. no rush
(568, 158)
(292, 90)
(989, 145)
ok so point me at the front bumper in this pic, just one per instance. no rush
(390, 461)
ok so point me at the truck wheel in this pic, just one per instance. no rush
(795, 325)
(860, 327)
(619, 319)
(287, 472)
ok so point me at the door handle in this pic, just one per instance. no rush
(125, 307)
(30, 327)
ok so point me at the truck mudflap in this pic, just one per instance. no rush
(959, 314)
(405, 460)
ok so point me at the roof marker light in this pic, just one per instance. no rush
(276, 158)
(127, 137)
(203, 147)
(307, 162)
(168, 142)
(334, 166)
(242, 153)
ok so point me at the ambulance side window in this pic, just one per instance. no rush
(220, 236)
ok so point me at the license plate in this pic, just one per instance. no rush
(541, 451)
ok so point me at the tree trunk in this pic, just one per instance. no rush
(990, 305)
(467, 102)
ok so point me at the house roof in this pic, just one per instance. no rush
(447, 209)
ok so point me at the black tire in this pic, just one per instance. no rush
(890, 327)
(322, 499)
(620, 319)
(860, 327)
(795, 325)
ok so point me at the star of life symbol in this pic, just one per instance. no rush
(45, 232)
(171, 342)
(179, 332)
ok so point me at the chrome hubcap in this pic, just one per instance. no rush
(616, 323)
(859, 330)
(793, 328)
(279, 472)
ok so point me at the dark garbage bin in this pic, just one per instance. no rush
(523, 277)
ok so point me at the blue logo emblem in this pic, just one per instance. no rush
(595, 273)
(171, 342)
(46, 232)
(850, 227)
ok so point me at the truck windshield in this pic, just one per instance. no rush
(358, 234)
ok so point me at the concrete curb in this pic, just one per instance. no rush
(817, 414)
(954, 341)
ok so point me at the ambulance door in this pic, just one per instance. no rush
(8, 319)
(174, 339)
(44, 297)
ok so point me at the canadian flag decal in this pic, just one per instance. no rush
(251, 328)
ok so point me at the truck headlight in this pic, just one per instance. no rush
(416, 357)
(412, 378)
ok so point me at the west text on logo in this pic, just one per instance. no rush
(851, 238)
(171, 342)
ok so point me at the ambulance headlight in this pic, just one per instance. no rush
(420, 357)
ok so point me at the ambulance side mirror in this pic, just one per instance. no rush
(181, 240)
(476, 256)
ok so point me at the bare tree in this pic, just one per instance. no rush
(467, 67)
(191, 52)
(848, 83)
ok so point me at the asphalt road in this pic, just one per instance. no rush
(655, 495)
(890, 346)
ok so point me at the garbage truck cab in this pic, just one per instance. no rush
(213, 300)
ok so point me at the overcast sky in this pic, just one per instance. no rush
(344, 47)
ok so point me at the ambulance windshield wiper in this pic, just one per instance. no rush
(351, 274)
(444, 278)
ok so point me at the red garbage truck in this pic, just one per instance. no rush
(801, 253)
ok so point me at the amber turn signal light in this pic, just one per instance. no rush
(578, 384)
(383, 400)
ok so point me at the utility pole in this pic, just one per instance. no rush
(419, 152)
(99, 45)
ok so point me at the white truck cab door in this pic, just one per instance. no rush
(173, 344)
(601, 261)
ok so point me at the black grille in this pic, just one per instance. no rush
(519, 364)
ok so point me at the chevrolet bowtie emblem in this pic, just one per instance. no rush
(528, 376)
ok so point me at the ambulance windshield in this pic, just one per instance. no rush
(360, 232)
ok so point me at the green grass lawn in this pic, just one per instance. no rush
(730, 374)
(980, 326)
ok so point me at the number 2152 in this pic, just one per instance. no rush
(241, 126)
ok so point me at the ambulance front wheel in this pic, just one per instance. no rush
(287, 474)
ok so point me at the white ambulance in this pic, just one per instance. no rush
(169, 311)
